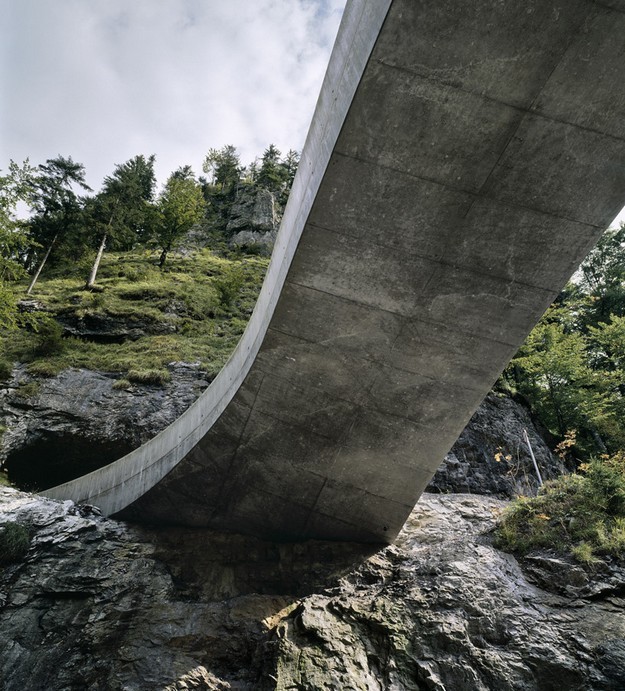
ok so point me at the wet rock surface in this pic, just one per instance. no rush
(98, 604)
(64, 426)
(491, 455)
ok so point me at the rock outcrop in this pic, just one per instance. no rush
(60, 427)
(254, 219)
(491, 455)
(63, 426)
(101, 605)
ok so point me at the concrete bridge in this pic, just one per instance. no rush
(463, 158)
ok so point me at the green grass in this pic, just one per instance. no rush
(580, 514)
(14, 542)
(207, 300)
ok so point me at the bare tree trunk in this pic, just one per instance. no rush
(41, 265)
(163, 257)
(96, 263)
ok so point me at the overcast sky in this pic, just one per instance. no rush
(104, 80)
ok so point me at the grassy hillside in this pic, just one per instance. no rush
(194, 310)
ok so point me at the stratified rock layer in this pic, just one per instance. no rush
(101, 605)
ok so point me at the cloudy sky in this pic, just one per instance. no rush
(104, 80)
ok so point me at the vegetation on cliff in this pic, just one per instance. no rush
(107, 292)
(571, 369)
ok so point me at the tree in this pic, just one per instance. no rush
(15, 187)
(224, 167)
(56, 205)
(603, 278)
(291, 163)
(122, 212)
(180, 206)
(572, 366)
(272, 174)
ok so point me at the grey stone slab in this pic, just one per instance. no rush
(581, 89)
(503, 50)
(519, 244)
(461, 135)
(618, 5)
(380, 474)
(548, 163)
(270, 514)
(424, 400)
(365, 273)
(267, 437)
(415, 205)
(353, 505)
(319, 317)
(322, 414)
(279, 478)
(216, 449)
(320, 524)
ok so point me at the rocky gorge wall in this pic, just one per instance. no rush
(59, 427)
(101, 605)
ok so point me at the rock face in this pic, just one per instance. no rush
(254, 219)
(68, 425)
(491, 455)
(100, 605)
(75, 422)
(103, 328)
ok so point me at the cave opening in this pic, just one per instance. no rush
(51, 459)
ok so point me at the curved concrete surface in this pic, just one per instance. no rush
(462, 160)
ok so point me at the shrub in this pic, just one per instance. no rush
(6, 369)
(229, 286)
(27, 390)
(14, 542)
(156, 377)
(44, 368)
(584, 553)
(49, 339)
(121, 384)
(583, 514)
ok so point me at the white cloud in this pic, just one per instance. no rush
(103, 80)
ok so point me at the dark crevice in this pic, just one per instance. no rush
(52, 459)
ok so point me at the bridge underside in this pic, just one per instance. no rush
(481, 157)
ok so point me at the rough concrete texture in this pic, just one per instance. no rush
(454, 177)
(101, 606)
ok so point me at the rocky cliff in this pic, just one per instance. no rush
(97, 604)
(60, 427)
(254, 219)
(57, 428)
(101, 605)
